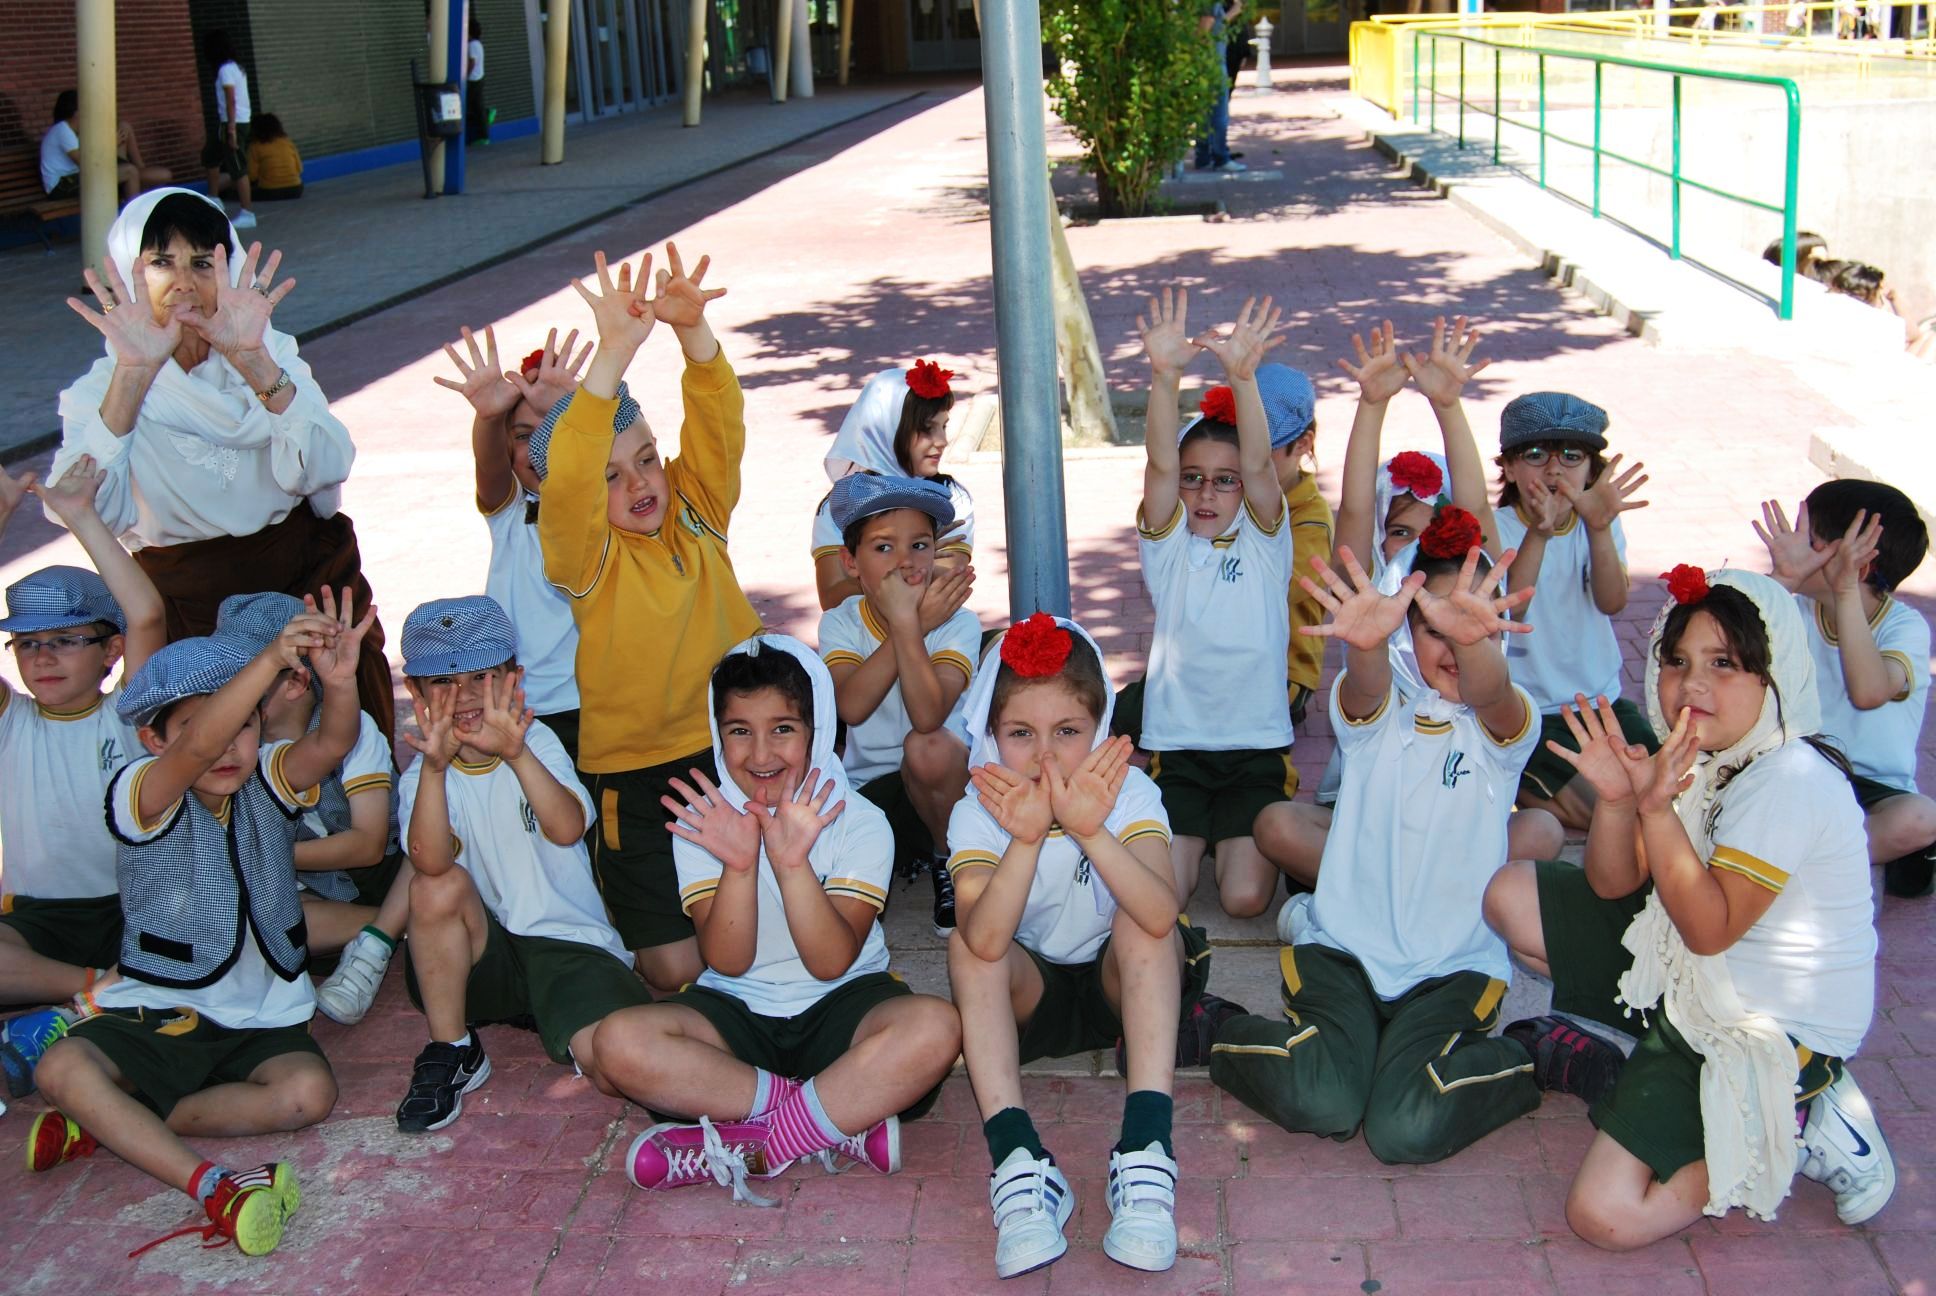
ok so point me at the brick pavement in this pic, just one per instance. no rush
(873, 252)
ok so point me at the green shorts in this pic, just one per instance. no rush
(83, 933)
(373, 883)
(217, 155)
(1869, 794)
(167, 1054)
(804, 1045)
(912, 840)
(632, 850)
(555, 987)
(1217, 795)
(564, 727)
(1074, 1015)
(1545, 774)
(1127, 717)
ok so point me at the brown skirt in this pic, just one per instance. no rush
(298, 555)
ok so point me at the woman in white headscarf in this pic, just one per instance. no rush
(224, 465)
(1726, 901)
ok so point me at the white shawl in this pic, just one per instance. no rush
(865, 441)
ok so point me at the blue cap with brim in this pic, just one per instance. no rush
(1552, 416)
(257, 618)
(184, 669)
(538, 449)
(55, 598)
(455, 636)
(863, 495)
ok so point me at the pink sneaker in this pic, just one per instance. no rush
(673, 1156)
(879, 1149)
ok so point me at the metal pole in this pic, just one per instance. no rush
(1598, 69)
(846, 37)
(800, 82)
(1497, 107)
(437, 23)
(1675, 250)
(1414, 76)
(1018, 183)
(1790, 197)
(1461, 94)
(1542, 121)
(94, 79)
(695, 59)
(457, 50)
(557, 67)
(782, 48)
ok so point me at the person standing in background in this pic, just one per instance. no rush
(477, 119)
(227, 152)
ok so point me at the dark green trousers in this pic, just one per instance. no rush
(1418, 1072)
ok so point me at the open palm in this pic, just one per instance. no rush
(1360, 616)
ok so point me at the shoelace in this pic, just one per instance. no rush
(210, 1229)
(727, 1166)
(944, 884)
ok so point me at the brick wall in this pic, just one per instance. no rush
(154, 82)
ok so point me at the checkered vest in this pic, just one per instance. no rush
(186, 891)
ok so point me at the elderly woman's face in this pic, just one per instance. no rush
(180, 281)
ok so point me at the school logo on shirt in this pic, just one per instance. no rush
(525, 813)
(1231, 569)
(690, 521)
(1082, 870)
(111, 756)
(1454, 769)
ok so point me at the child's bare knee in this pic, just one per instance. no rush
(1248, 897)
(58, 1067)
(933, 758)
(435, 896)
(1596, 1218)
(306, 1097)
(1504, 893)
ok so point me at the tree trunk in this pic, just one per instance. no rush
(1092, 420)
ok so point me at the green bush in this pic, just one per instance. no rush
(1135, 80)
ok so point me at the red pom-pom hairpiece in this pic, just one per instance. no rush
(1219, 403)
(1417, 474)
(1452, 534)
(1686, 583)
(929, 380)
(1036, 647)
(531, 363)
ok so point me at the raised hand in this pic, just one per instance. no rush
(620, 309)
(1790, 549)
(1604, 759)
(1020, 805)
(708, 820)
(242, 310)
(506, 719)
(1165, 332)
(1470, 614)
(681, 302)
(1360, 616)
(558, 372)
(1379, 373)
(72, 497)
(1546, 507)
(336, 660)
(898, 601)
(1599, 504)
(1443, 372)
(1849, 557)
(308, 632)
(13, 490)
(1659, 778)
(944, 595)
(1081, 802)
(797, 822)
(481, 380)
(126, 320)
(436, 737)
(1249, 339)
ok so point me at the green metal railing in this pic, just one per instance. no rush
(1426, 80)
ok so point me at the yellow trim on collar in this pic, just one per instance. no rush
(1572, 519)
(48, 713)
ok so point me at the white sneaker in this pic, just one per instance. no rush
(1142, 1209)
(349, 991)
(1842, 1146)
(1031, 1201)
(244, 219)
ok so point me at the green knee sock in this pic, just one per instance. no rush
(1008, 1129)
(1146, 1120)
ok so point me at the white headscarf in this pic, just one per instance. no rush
(1748, 1076)
(866, 437)
(825, 726)
(1386, 493)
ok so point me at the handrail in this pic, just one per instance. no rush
(1672, 173)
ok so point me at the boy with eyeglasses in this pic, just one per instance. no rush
(59, 747)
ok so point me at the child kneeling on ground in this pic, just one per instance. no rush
(206, 1030)
(796, 1039)
(1067, 937)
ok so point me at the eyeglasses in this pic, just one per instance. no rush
(60, 645)
(1571, 456)
(1222, 483)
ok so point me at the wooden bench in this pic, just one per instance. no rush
(21, 192)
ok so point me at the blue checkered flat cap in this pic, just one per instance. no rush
(1552, 416)
(184, 669)
(1289, 401)
(257, 618)
(864, 494)
(454, 636)
(55, 598)
(539, 449)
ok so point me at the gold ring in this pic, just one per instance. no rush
(108, 309)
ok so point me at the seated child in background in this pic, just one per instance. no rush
(59, 747)
(1725, 898)
(898, 428)
(1215, 549)
(640, 547)
(1560, 502)
(206, 1031)
(1290, 404)
(1067, 938)
(1392, 980)
(275, 167)
(356, 898)
(901, 653)
(505, 920)
(509, 405)
(796, 1039)
(1852, 543)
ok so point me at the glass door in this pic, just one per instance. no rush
(943, 35)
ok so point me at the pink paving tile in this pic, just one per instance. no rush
(1461, 1206)
(1755, 1266)
(1086, 1270)
(368, 1088)
(1564, 1139)
(1492, 1268)
(500, 1140)
(788, 1268)
(858, 1205)
(1913, 1208)
(1664, 1269)
(1911, 1261)
(1270, 1152)
(485, 1263)
(421, 1195)
(702, 1210)
(1294, 1268)
(1336, 1210)
(966, 1267)
(954, 1207)
(579, 1266)
(1545, 1199)
(688, 1266)
(552, 1199)
(314, 1258)
(932, 1146)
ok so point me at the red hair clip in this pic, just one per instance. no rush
(929, 380)
(1686, 583)
(1036, 647)
(1219, 403)
(1452, 534)
(532, 362)
(1417, 474)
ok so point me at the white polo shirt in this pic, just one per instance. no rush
(55, 164)
(530, 884)
(1223, 629)
(827, 539)
(1067, 915)
(229, 75)
(849, 635)
(1880, 743)
(1572, 648)
(541, 612)
(54, 775)
(1419, 830)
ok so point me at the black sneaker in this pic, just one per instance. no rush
(443, 1074)
(1911, 876)
(1568, 1059)
(944, 898)
(1194, 1034)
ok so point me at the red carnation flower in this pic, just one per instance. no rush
(929, 380)
(1035, 647)
(531, 363)
(1453, 534)
(1220, 403)
(1416, 473)
(1686, 583)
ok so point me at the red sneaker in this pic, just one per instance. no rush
(53, 1139)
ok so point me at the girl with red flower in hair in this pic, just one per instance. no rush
(898, 428)
(1066, 938)
(507, 406)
